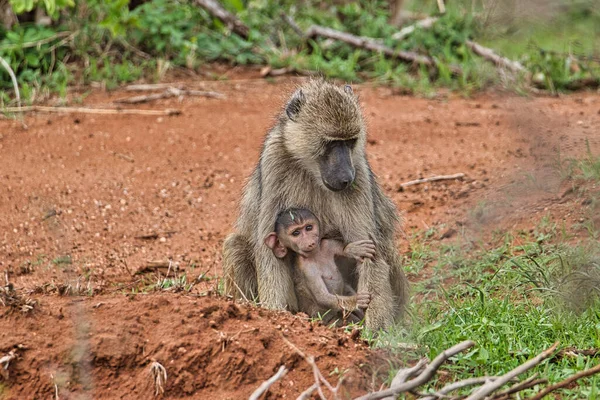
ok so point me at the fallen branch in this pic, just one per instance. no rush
(13, 78)
(459, 385)
(267, 384)
(432, 179)
(307, 394)
(425, 376)
(83, 110)
(217, 10)
(490, 55)
(423, 24)
(517, 387)
(563, 383)
(170, 92)
(490, 387)
(316, 372)
(405, 374)
(368, 44)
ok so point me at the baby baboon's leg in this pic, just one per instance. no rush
(275, 283)
(238, 268)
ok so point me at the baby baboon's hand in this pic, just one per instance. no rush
(362, 300)
(360, 250)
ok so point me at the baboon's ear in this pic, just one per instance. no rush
(274, 244)
(295, 104)
(348, 89)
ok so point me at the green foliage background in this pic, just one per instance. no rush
(111, 42)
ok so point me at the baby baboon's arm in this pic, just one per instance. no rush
(359, 250)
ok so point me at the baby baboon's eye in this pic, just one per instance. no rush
(296, 233)
(309, 227)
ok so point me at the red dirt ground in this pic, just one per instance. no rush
(78, 191)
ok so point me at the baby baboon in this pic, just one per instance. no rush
(320, 287)
(314, 158)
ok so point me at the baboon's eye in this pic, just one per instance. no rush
(309, 227)
(296, 232)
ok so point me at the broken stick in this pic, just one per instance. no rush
(563, 383)
(490, 55)
(423, 24)
(267, 384)
(83, 110)
(490, 387)
(170, 92)
(432, 179)
(368, 44)
(216, 9)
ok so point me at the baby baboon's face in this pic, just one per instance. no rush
(301, 238)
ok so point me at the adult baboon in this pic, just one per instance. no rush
(314, 158)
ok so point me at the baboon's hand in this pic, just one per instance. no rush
(362, 300)
(360, 250)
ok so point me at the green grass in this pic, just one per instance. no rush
(514, 299)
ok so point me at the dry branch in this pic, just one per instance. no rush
(405, 374)
(267, 384)
(170, 92)
(316, 372)
(519, 386)
(459, 385)
(307, 393)
(432, 179)
(490, 387)
(368, 44)
(217, 10)
(490, 55)
(13, 78)
(424, 24)
(83, 110)
(425, 376)
(563, 383)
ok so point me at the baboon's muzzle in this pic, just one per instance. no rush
(336, 166)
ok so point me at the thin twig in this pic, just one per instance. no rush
(267, 384)
(307, 393)
(13, 78)
(316, 372)
(432, 179)
(441, 6)
(490, 55)
(217, 10)
(459, 385)
(170, 92)
(37, 43)
(563, 383)
(405, 374)
(83, 110)
(490, 387)
(368, 44)
(425, 376)
(423, 24)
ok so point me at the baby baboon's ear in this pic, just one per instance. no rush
(348, 89)
(272, 241)
(293, 107)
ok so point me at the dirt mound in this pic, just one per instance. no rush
(88, 200)
(104, 346)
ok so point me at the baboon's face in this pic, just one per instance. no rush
(325, 132)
